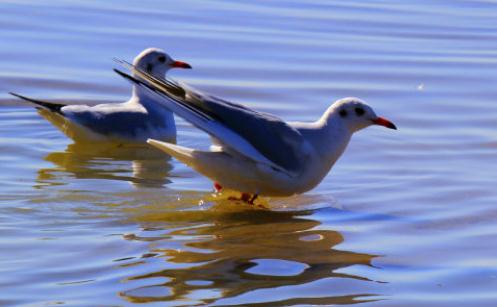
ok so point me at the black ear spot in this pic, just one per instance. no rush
(359, 111)
(343, 113)
(149, 68)
(162, 59)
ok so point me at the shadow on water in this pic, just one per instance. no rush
(226, 252)
(142, 166)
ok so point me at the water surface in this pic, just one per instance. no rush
(405, 218)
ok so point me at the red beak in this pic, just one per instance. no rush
(384, 122)
(180, 64)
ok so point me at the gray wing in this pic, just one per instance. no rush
(125, 124)
(268, 134)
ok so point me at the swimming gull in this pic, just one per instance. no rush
(133, 121)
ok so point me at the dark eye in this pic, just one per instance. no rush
(162, 59)
(359, 111)
(343, 113)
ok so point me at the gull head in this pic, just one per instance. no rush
(355, 114)
(156, 62)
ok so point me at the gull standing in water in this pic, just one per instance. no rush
(133, 121)
(258, 153)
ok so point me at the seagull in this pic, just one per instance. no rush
(257, 153)
(133, 121)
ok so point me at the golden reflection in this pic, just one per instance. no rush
(209, 255)
(139, 165)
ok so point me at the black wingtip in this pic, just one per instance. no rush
(122, 74)
(22, 97)
(17, 95)
(54, 107)
(126, 76)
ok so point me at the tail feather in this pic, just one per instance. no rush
(51, 106)
(181, 153)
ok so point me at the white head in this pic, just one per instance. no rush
(156, 62)
(355, 114)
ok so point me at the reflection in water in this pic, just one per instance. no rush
(148, 168)
(219, 255)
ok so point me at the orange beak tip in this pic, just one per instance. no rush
(180, 64)
(385, 123)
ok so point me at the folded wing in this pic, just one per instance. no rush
(259, 136)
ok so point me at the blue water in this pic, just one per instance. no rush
(405, 218)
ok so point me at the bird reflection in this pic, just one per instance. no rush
(217, 254)
(142, 166)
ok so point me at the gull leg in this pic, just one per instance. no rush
(218, 187)
(252, 199)
(245, 197)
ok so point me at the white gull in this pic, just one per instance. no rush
(133, 121)
(258, 153)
